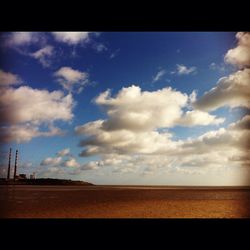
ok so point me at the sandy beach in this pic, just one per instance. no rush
(29, 201)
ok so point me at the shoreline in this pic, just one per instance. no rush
(127, 186)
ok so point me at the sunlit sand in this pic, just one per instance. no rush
(123, 202)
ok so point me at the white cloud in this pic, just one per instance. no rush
(26, 132)
(7, 78)
(233, 140)
(69, 78)
(159, 75)
(22, 38)
(213, 66)
(133, 109)
(231, 91)
(193, 97)
(240, 55)
(125, 142)
(215, 139)
(26, 104)
(64, 152)
(133, 118)
(197, 117)
(71, 163)
(68, 163)
(50, 161)
(230, 147)
(147, 151)
(43, 55)
(112, 160)
(71, 38)
(184, 70)
(221, 144)
(123, 170)
(25, 114)
(22, 41)
(92, 165)
(213, 149)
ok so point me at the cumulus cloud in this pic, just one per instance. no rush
(215, 140)
(22, 42)
(231, 91)
(133, 119)
(71, 38)
(234, 138)
(215, 148)
(136, 110)
(71, 163)
(159, 75)
(151, 152)
(230, 146)
(50, 161)
(25, 104)
(219, 148)
(25, 132)
(63, 158)
(64, 152)
(92, 165)
(15, 39)
(133, 109)
(125, 142)
(7, 79)
(43, 55)
(69, 78)
(197, 117)
(240, 55)
(184, 70)
(24, 111)
(124, 170)
(63, 163)
(129, 146)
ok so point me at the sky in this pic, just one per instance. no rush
(145, 108)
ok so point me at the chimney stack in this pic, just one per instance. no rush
(15, 165)
(8, 176)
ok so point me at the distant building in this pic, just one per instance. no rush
(21, 177)
(33, 176)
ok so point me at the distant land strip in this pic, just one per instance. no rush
(44, 181)
(62, 182)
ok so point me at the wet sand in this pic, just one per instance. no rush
(28, 201)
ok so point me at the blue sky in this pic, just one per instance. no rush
(116, 60)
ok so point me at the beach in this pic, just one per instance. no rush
(34, 201)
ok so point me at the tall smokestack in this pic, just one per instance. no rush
(15, 165)
(8, 176)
